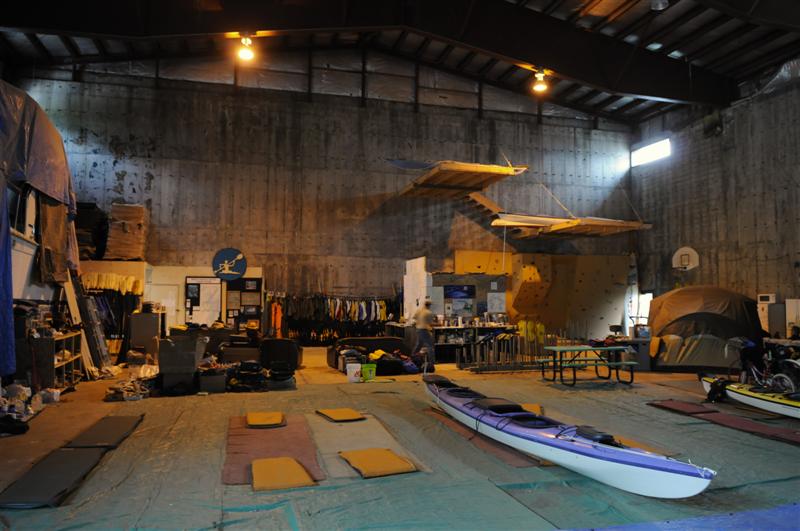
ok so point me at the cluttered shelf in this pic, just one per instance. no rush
(66, 335)
(65, 362)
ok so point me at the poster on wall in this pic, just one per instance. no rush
(463, 307)
(234, 300)
(496, 302)
(250, 299)
(204, 299)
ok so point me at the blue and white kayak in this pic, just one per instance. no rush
(581, 449)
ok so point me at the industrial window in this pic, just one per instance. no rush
(21, 210)
(16, 207)
(651, 152)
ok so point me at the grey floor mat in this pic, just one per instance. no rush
(107, 432)
(52, 479)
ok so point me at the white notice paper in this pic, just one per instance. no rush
(496, 302)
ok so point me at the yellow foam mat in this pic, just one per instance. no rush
(536, 409)
(265, 419)
(279, 473)
(343, 414)
(376, 462)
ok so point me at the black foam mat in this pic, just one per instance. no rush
(107, 432)
(50, 481)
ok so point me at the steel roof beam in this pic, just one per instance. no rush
(465, 61)
(69, 45)
(711, 25)
(40, 48)
(605, 102)
(583, 10)
(767, 61)
(721, 41)
(771, 13)
(612, 17)
(554, 44)
(667, 29)
(552, 6)
(488, 65)
(520, 88)
(628, 106)
(642, 21)
(749, 46)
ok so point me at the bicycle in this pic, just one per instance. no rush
(779, 373)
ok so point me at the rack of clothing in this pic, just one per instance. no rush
(321, 319)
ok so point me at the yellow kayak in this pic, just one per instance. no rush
(773, 402)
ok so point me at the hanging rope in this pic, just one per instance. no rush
(503, 267)
(630, 203)
(546, 189)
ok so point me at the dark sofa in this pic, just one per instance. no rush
(385, 343)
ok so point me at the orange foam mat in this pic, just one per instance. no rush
(378, 462)
(342, 414)
(276, 473)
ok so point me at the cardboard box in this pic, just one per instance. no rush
(127, 232)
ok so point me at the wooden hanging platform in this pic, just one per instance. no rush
(546, 226)
(453, 180)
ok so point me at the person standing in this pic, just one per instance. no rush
(423, 320)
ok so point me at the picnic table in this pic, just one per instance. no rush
(581, 356)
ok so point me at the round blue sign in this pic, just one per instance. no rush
(229, 264)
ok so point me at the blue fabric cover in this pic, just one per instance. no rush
(8, 360)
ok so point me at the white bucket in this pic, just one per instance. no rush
(353, 372)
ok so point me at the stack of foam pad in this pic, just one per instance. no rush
(50, 481)
(127, 234)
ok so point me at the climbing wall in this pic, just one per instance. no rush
(576, 296)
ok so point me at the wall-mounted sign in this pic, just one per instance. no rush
(229, 264)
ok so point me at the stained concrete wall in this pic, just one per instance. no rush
(730, 190)
(304, 189)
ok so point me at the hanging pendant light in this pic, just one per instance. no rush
(245, 52)
(540, 85)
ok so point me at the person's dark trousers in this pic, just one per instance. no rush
(425, 339)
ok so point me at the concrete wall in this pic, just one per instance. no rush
(733, 194)
(303, 188)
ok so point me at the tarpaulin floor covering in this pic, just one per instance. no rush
(244, 445)
(167, 474)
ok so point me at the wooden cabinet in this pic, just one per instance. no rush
(57, 360)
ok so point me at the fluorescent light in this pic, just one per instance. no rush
(655, 151)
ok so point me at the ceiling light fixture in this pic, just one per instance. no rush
(659, 5)
(245, 52)
(540, 85)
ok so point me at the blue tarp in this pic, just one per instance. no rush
(783, 517)
(8, 360)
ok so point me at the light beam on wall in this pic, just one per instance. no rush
(650, 153)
